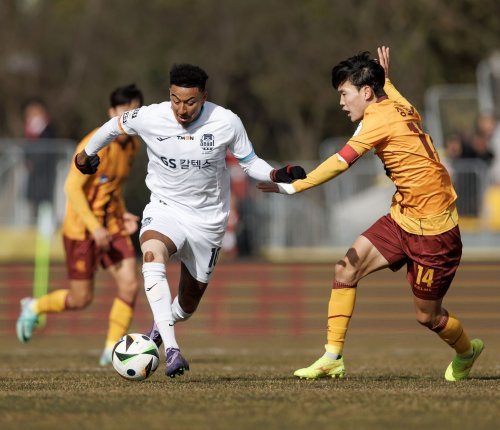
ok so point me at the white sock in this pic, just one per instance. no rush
(178, 313)
(332, 356)
(159, 298)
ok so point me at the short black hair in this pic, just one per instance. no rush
(125, 95)
(360, 70)
(188, 76)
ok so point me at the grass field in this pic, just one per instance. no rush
(258, 323)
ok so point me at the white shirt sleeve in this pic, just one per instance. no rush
(130, 122)
(242, 149)
(256, 168)
(127, 123)
(102, 137)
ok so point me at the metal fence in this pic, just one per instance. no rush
(32, 172)
(334, 214)
(331, 215)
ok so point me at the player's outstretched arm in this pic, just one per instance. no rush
(383, 59)
(282, 180)
(87, 160)
(389, 88)
(276, 187)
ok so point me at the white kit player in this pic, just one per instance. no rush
(187, 139)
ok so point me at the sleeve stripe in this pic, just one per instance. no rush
(247, 158)
(120, 126)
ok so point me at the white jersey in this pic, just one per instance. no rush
(187, 170)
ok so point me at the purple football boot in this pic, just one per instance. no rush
(176, 363)
(155, 336)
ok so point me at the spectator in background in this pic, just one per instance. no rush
(476, 158)
(40, 162)
(457, 149)
(486, 124)
(480, 142)
(454, 147)
(494, 144)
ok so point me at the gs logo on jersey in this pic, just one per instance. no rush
(207, 142)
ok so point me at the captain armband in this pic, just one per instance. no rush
(348, 154)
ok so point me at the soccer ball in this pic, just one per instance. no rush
(135, 357)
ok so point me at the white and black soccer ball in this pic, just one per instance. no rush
(135, 357)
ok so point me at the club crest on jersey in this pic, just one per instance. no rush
(207, 142)
(146, 221)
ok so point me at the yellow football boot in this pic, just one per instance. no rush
(460, 367)
(322, 368)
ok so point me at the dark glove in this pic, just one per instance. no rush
(288, 174)
(90, 166)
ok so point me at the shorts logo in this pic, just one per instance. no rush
(146, 221)
(80, 266)
(207, 142)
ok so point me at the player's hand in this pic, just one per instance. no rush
(383, 59)
(288, 174)
(102, 238)
(130, 222)
(86, 164)
(276, 187)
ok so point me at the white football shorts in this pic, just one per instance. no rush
(197, 249)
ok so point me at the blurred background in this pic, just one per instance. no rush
(270, 62)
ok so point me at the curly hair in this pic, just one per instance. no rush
(188, 76)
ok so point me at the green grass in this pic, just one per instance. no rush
(394, 382)
(243, 344)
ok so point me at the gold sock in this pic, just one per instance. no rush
(120, 317)
(53, 302)
(451, 331)
(340, 308)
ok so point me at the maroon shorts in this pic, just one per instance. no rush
(83, 256)
(431, 260)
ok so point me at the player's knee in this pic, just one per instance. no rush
(128, 290)
(345, 275)
(79, 301)
(426, 320)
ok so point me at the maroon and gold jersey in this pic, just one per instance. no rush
(425, 197)
(393, 127)
(96, 200)
(423, 186)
